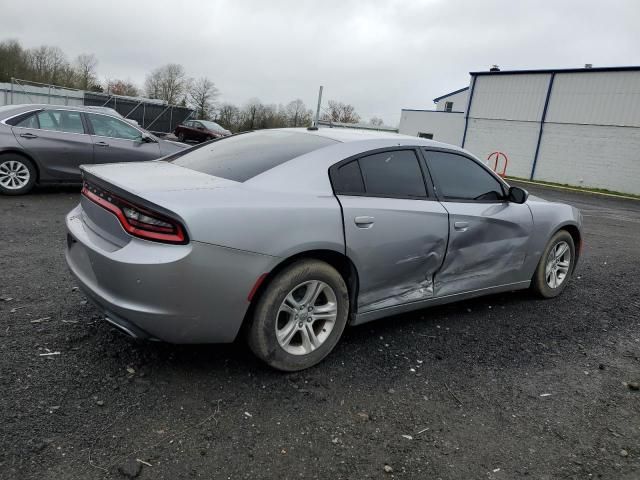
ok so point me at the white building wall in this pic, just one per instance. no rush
(515, 139)
(445, 126)
(591, 156)
(591, 134)
(509, 97)
(459, 100)
(598, 98)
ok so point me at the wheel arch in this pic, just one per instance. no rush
(337, 260)
(24, 154)
(576, 235)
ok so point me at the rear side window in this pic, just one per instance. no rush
(60, 120)
(460, 178)
(29, 122)
(57, 120)
(387, 174)
(395, 174)
(242, 157)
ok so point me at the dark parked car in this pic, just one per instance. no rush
(200, 131)
(48, 143)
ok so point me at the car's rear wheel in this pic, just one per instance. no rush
(300, 316)
(17, 174)
(555, 266)
(181, 136)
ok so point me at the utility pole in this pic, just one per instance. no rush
(317, 119)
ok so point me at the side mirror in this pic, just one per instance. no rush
(147, 139)
(518, 195)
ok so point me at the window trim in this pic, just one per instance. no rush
(430, 192)
(504, 185)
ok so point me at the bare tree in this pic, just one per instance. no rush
(13, 61)
(168, 83)
(202, 94)
(376, 121)
(251, 114)
(121, 87)
(341, 112)
(85, 66)
(229, 117)
(297, 114)
(47, 64)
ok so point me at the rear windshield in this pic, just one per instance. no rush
(244, 156)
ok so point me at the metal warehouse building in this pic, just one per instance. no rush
(574, 126)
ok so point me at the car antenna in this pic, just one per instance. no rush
(314, 125)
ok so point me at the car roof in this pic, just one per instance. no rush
(349, 135)
(10, 110)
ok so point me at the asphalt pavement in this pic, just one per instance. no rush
(503, 387)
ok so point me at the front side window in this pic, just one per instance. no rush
(106, 126)
(394, 173)
(460, 178)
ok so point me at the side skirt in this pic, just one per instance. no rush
(365, 317)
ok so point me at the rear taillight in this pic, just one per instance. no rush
(137, 221)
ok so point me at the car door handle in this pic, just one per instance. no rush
(28, 135)
(101, 144)
(364, 222)
(461, 226)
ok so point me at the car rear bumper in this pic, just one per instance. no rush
(195, 293)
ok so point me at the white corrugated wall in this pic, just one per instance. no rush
(591, 134)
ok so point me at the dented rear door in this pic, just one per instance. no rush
(395, 230)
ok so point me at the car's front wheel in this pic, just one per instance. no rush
(300, 316)
(555, 266)
(17, 174)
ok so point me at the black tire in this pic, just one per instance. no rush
(181, 136)
(261, 333)
(12, 161)
(539, 282)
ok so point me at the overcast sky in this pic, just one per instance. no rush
(380, 56)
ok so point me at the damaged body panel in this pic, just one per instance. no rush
(488, 245)
(394, 269)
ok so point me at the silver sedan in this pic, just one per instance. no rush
(293, 234)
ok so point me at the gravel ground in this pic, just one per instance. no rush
(502, 387)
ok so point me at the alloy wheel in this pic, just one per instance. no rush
(306, 317)
(14, 175)
(558, 263)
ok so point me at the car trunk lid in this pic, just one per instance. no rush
(153, 186)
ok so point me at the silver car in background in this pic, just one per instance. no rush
(292, 234)
(48, 143)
